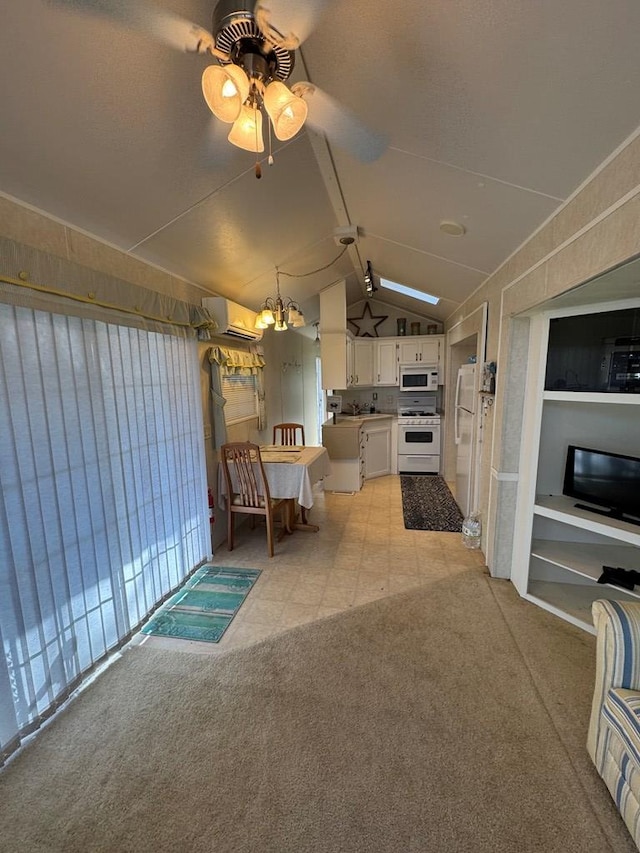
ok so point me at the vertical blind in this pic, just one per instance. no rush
(103, 497)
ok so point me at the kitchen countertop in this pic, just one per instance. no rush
(347, 420)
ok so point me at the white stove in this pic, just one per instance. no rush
(418, 436)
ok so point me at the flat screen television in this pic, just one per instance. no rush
(609, 480)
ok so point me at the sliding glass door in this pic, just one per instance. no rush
(103, 497)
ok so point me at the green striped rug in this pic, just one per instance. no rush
(204, 607)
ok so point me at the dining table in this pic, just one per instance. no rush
(291, 473)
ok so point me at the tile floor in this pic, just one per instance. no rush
(362, 552)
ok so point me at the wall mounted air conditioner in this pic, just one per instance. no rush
(234, 321)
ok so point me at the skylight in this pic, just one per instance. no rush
(409, 291)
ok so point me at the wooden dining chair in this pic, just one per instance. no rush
(248, 490)
(287, 434)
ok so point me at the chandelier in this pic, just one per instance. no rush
(254, 63)
(278, 313)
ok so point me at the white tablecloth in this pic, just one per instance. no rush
(290, 479)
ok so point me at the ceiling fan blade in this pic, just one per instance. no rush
(293, 21)
(340, 125)
(177, 32)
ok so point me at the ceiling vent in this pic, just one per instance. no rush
(234, 321)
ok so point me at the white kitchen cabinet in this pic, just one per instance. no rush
(336, 358)
(426, 350)
(561, 548)
(363, 363)
(386, 362)
(345, 445)
(377, 448)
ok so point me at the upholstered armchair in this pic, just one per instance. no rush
(614, 730)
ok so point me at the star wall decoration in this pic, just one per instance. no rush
(364, 325)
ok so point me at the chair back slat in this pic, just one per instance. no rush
(250, 487)
(286, 434)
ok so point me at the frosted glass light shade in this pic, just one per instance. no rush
(287, 111)
(225, 89)
(296, 318)
(247, 130)
(266, 316)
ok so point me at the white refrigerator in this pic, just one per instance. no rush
(464, 422)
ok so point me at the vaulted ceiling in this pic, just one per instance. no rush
(494, 112)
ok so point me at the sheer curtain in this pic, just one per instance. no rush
(103, 506)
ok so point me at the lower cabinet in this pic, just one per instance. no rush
(377, 453)
(357, 452)
(346, 448)
(346, 476)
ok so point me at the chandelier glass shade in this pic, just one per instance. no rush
(279, 313)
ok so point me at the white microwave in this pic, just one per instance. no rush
(419, 377)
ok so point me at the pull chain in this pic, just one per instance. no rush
(258, 168)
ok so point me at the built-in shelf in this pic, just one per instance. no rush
(561, 561)
(571, 601)
(562, 508)
(592, 397)
(587, 558)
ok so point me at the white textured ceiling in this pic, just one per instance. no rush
(495, 112)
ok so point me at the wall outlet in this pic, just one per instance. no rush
(375, 395)
(207, 432)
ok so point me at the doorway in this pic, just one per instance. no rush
(321, 401)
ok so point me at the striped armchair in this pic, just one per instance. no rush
(614, 730)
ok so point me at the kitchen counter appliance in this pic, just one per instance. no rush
(415, 378)
(418, 435)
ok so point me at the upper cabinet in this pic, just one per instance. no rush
(335, 341)
(425, 350)
(386, 366)
(363, 362)
(334, 357)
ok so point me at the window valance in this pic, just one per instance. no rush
(237, 361)
(31, 278)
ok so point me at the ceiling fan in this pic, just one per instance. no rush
(254, 46)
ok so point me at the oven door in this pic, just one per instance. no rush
(417, 440)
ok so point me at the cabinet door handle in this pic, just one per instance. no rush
(378, 377)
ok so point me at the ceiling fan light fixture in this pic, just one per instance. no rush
(246, 132)
(225, 90)
(287, 111)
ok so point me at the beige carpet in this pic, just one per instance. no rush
(450, 718)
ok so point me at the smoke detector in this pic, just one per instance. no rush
(453, 229)
(346, 236)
